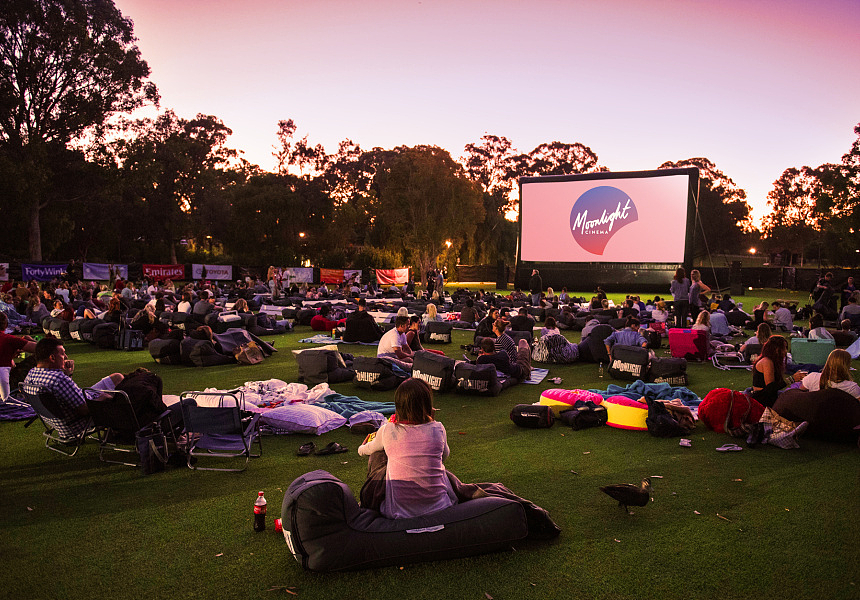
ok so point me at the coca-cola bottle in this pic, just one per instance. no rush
(260, 513)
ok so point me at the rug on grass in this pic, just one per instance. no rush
(537, 376)
(327, 339)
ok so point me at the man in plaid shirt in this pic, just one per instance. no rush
(53, 373)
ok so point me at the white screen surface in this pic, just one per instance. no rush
(626, 219)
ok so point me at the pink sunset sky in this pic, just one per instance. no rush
(755, 86)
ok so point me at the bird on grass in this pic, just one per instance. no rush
(628, 494)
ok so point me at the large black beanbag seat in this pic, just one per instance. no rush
(104, 335)
(374, 373)
(202, 353)
(322, 366)
(326, 530)
(59, 328)
(831, 413)
(86, 327)
(166, 351)
(435, 369)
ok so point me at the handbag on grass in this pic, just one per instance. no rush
(151, 445)
(248, 353)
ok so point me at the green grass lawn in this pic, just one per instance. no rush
(764, 523)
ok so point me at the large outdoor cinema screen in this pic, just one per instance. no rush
(630, 217)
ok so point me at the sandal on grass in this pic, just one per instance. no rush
(306, 449)
(729, 448)
(332, 448)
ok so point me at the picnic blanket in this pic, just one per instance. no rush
(15, 410)
(655, 391)
(537, 376)
(346, 406)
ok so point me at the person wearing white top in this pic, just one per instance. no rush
(836, 374)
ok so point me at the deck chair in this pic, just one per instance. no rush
(116, 425)
(215, 428)
(45, 404)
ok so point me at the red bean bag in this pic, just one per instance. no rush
(715, 406)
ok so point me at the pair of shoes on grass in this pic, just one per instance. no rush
(331, 448)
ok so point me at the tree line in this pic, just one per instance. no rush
(81, 180)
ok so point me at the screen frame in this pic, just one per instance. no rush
(692, 200)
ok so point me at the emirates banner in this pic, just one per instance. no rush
(224, 272)
(340, 275)
(104, 271)
(42, 272)
(389, 276)
(161, 272)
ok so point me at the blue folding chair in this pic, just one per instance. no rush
(218, 429)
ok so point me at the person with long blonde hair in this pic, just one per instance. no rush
(836, 374)
(431, 314)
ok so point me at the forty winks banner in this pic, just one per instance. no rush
(104, 271)
(298, 275)
(42, 272)
(164, 271)
(339, 275)
(389, 276)
(4, 271)
(212, 272)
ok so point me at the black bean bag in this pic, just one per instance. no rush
(326, 530)
(59, 328)
(437, 332)
(166, 351)
(435, 369)
(322, 366)
(104, 335)
(481, 380)
(372, 372)
(831, 413)
(202, 353)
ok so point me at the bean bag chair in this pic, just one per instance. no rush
(435, 369)
(437, 332)
(322, 366)
(629, 362)
(46, 325)
(625, 413)
(521, 335)
(592, 348)
(202, 353)
(304, 316)
(374, 373)
(59, 328)
(482, 380)
(326, 530)
(75, 329)
(561, 400)
(831, 413)
(166, 351)
(235, 337)
(104, 335)
(263, 324)
(715, 407)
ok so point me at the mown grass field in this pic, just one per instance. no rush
(764, 523)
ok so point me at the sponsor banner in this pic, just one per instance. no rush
(104, 271)
(331, 275)
(389, 276)
(42, 272)
(298, 275)
(4, 271)
(352, 275)
(162, 272)
(212, 272)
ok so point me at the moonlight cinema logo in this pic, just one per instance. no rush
(598, 214)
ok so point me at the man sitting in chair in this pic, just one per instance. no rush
(53, 372)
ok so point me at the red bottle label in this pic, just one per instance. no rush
(259, 510)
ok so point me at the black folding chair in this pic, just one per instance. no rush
(117, 424)
(45, 405)
(218, 430)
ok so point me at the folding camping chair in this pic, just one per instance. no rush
(217, 429)
(117, 424)
(726, 357)
(45, 404)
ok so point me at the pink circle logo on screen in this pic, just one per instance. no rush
(599, 214)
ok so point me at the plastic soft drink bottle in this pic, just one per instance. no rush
(260, 513)
(600, 371)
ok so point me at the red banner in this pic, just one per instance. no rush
(389, 276)
(164, 272)
(331, 275)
